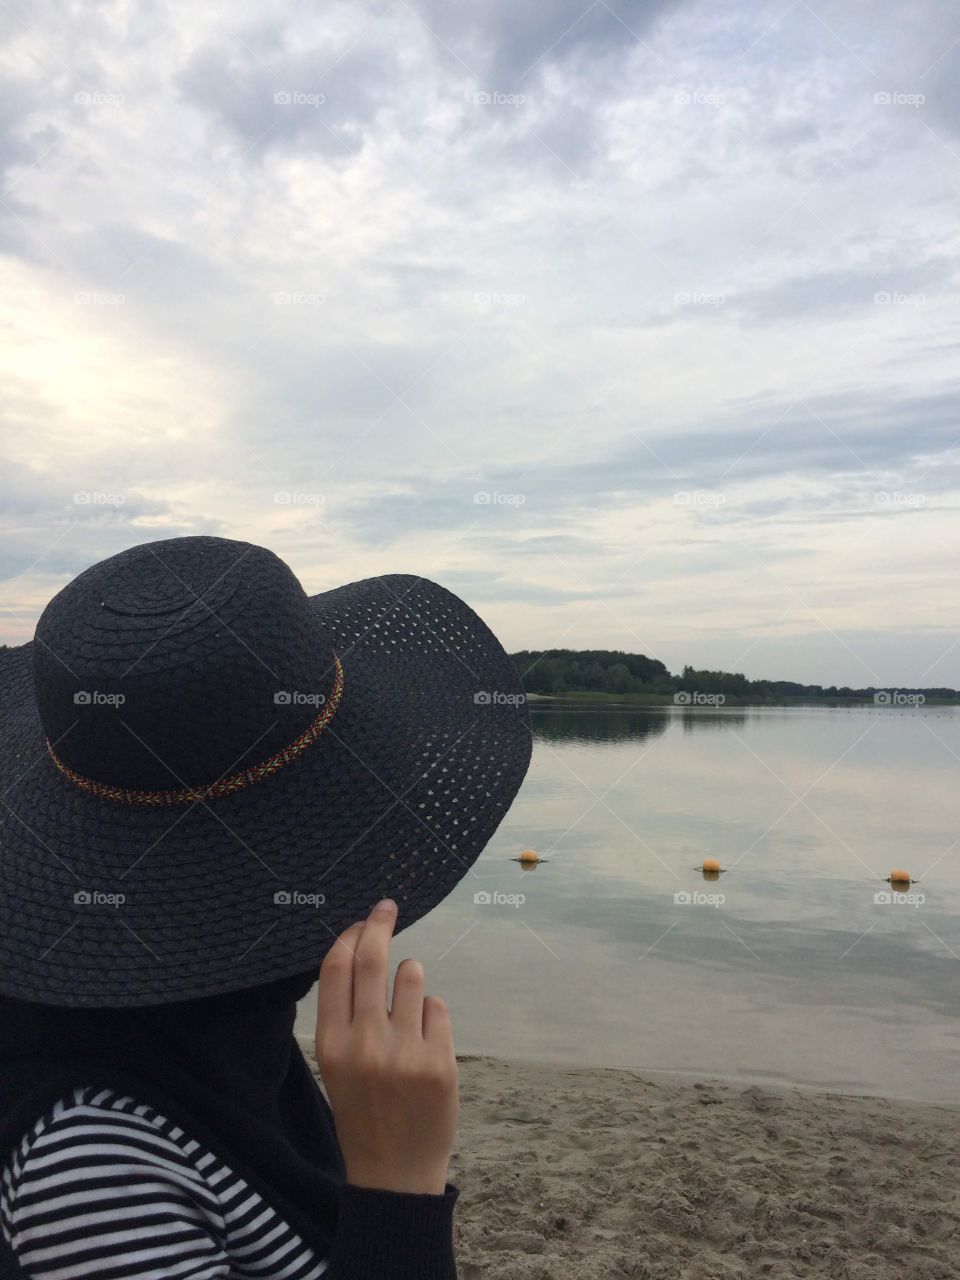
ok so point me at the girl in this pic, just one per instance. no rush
(208, 778)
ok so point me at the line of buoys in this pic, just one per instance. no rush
(711, 868)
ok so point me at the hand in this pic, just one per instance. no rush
(391, 1075)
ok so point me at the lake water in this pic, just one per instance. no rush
(786, 969)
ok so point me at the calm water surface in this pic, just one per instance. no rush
(796, 976)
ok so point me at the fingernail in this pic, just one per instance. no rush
(388, 903)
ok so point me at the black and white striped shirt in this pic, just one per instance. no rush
(105, 1186)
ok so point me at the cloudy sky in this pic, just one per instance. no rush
(634, 323)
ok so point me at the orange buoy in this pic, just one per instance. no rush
(529, 855)
(711, 864)
(899, 877)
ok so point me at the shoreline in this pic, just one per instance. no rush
(580, 1173)
(600, 701)
(695, 1078)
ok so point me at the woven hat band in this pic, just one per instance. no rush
(223, 786)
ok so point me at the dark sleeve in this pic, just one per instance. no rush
(393, 1235)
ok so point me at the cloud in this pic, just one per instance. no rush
(833, 292)
(867, 440)
(508, 46)
(315, 98)
(615, 266)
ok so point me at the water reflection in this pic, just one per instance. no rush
(601, 728)
(606, 725)
(692, 718)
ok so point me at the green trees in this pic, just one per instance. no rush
(594, 670)
(559, 671)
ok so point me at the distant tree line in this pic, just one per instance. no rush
(591, 670)
(559, 671)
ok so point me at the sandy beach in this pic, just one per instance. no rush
(586, 1174)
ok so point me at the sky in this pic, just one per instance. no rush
(634, 324)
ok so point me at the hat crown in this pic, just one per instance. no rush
(166, 666)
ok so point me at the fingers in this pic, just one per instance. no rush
(335, 989)
(437, 1026)
(406, 1012)
(372, 961)
(353, 984)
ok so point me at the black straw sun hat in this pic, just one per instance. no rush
(206, 775)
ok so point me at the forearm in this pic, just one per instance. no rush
(394, 1235)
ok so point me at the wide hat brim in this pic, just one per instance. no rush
(110, 904)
